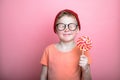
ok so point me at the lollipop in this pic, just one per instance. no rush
(84, 43)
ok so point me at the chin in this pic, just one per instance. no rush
(67, 40)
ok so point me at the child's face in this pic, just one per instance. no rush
(67, 28)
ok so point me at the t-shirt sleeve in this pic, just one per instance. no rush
(89, 57)
(44, 58)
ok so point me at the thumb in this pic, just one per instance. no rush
(83, 52)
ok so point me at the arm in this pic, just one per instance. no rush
(43, 75)
(86, 75)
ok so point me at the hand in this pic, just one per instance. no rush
(83, 62)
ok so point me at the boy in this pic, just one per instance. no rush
(63, 60)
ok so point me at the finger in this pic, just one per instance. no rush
(83, 63)
(83, 60)
(83, 52)
(83, 56)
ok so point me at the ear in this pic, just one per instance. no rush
(56, 32)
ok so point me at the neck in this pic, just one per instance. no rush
(70, 44)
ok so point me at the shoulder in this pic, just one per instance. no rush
(50, 47)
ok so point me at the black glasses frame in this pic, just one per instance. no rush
(67, 25)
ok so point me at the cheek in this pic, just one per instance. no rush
(60, 32)
(75, 32)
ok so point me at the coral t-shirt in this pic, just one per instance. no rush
(62, 65)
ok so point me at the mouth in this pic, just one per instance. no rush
(67, 34)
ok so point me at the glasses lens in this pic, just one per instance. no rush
(72, 26)
(60, 26)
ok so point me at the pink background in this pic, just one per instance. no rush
(26, 28)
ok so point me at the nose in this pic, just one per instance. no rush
(66, 29)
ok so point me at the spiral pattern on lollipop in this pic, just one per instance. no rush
(84, 43)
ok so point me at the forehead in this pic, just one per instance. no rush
(67, 19)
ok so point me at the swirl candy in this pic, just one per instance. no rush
(84, 43)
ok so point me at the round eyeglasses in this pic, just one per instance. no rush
(62, 26)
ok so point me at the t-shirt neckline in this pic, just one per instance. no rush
(66, 52)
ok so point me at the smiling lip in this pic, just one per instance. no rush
(66, 34)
